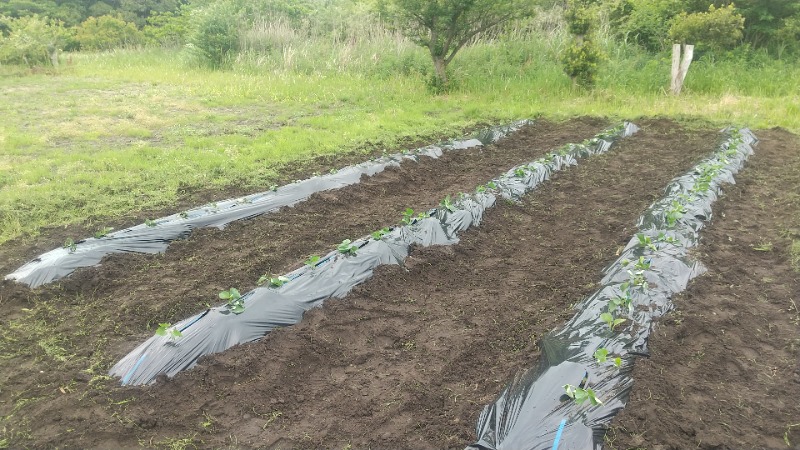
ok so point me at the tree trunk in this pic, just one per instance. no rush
(680, 65)
(440, 66)
(53, 51)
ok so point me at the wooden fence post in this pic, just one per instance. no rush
(680, 65)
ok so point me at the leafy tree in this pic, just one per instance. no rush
(581, 59)
(645, 22)
(32, 41)
(168, 28)
(445, 26)
(106, 32)
(26, 8)
(73, 12)
(98, 9)
(766, 20)
(215, 36)
(718, 29)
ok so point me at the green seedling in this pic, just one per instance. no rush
(580, 395)
(612, 323)
(621, 301)
(519, 172)
(184, 215)
(102, 232)
(668, 239)
(447, 204)
(312, 261)
(491, 185)
(636, 279)
(332, 171)
(674, 213)
(273, 188)
(601, 356)
(646, 242)
(150, 222)
(408, 216)
(480, 189)
(379, 234)
(423, 215)
(274, 281)
(70, 245)
(347, 247)
(163, 330)
(642, 264)
(234, 298)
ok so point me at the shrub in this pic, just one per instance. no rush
(582, 57)
(167, 28)
(645, 23)
(106, 33)
(31, 41)
(581, 61)
(718, 29)
(215, 35)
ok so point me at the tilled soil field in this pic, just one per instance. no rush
(409, 358)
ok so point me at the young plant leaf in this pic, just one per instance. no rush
(347, 248)
(312, 261)
(102, 232)
(162, 328)
(447, 204)
(70, 245)
(601, 354)
(379, 234)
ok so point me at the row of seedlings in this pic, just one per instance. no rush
(154, 236)
(282, 300)
(595, 351)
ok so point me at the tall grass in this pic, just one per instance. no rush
(125, 130)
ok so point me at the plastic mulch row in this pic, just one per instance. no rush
(263, 309)
(155, 236)
(537, 410)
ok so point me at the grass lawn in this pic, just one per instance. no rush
(112, 134)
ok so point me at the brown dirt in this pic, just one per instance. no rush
(406, 361)
(725, 365)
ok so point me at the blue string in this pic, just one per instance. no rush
(558, 434)
(130, 373)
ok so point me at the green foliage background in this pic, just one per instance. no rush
(214, 93)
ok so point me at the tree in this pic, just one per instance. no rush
(32, 41)
(582, 57)
(644, 22)
(215, 34)
(106, 33)
(445, 26)
(717, 29)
